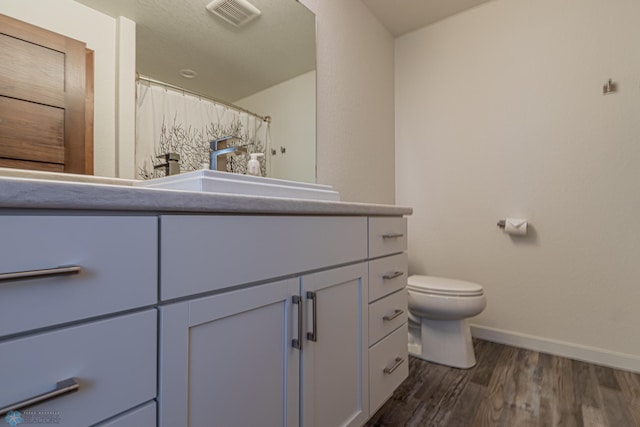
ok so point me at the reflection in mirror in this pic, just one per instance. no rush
(180, 131)
(266, 66)
(275, 64)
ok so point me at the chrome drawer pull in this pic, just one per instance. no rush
(313, 335)
(62, 387)
(297, 342)
(397, 312)
(393, 275)
(392, 235)
(397, 363)
(32, 274)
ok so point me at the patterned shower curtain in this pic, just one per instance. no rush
(169, 120)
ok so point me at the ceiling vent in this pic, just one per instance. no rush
(236, 12)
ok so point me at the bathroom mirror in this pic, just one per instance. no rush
(263, 66)
(260, 66)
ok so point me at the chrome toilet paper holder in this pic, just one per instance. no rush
(502, 223)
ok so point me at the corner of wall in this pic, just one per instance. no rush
(125, 97)
(355, 102)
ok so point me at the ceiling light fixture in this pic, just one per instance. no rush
(188, 73)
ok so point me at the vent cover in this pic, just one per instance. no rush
(236, 12)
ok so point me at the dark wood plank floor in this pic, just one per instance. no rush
(513, 387)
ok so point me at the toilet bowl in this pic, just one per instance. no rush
(438, 312)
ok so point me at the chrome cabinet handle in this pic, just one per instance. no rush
(393, 275)
(397, 312)
(397, 362)
(392, 235)
(313, 335)
(297, 342)
(62, 387)
(33, 274)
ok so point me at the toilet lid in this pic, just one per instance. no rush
(443, 286)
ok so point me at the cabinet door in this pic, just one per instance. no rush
(335, 384)
(226, 360)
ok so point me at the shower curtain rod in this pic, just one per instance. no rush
(139, 77)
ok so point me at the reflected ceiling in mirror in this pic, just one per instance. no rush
(231, 62)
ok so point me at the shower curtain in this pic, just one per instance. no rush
(172, 121)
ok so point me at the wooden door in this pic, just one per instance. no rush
(46, 100)
(335, 373)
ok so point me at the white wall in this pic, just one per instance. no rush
(355, 145)
(98, 31)
(125, 154)
(500, 112)
(292, 107)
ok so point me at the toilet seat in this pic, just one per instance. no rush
(443, 286)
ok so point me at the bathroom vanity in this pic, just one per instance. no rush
(160, 307)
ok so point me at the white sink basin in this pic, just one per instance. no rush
(224, 182)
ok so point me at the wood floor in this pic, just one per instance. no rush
(513, 387)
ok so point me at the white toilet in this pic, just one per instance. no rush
(438, 312)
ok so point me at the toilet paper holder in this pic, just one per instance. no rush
(514, 226)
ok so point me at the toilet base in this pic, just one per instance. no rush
(446, 342)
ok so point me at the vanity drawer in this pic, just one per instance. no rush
(216, 252)
(386, 315)
(387, 275)
(387, 235)
(388, 367)
(118, 264)
(144, 416)
(113, 361)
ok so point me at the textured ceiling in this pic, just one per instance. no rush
(236, 62)
(231, 62)
(403, 16)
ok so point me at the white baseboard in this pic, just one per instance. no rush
(593, 355)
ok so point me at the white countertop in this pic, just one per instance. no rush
(61, 191)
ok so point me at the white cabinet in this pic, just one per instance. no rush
(227, 360)
(116, 259)
(335, 381)
(388, 360)
(203, 253)
(387, 235)
(387, 275)
(76, 317)
(386, 315)
(286, 353)
(112, 361)
(144, 415)
(255, 320)
(388, 311)
(230, 359)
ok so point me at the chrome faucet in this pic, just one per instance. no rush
(171, 163)
(220, 147)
